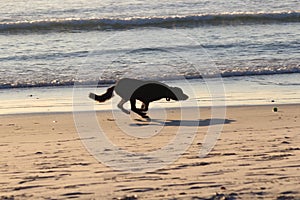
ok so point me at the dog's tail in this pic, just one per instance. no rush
(101, 98)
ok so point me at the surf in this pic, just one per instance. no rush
(90, 24)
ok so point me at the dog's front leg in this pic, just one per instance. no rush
(137, 111)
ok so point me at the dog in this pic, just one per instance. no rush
(144, 91)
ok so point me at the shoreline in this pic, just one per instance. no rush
(260, 90)
(107, 110)
(257, 155)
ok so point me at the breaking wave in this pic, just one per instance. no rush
(167, 22)
(92, 81)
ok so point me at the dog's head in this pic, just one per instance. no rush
(177, 94)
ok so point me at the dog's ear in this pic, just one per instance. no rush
(168, 99)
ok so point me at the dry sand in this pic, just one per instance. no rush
(256, 157)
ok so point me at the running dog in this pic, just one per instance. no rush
(144, 91)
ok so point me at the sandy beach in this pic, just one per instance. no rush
(257, 156)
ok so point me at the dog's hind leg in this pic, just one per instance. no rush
(120, 105)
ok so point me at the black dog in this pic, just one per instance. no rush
(144, 91)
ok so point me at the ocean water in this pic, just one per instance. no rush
(47, 47)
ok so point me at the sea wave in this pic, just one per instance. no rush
(88, 82)
(68, 24)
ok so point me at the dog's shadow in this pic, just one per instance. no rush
(190, 123)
